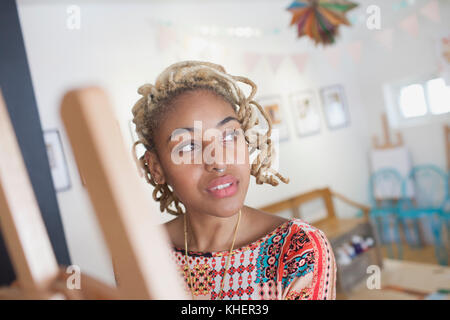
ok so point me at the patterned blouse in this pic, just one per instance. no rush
(293, 262)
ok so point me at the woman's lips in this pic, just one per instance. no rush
(222, 187)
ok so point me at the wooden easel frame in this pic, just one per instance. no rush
(24, 231)
(38, 275)
(137, 243)
(387, 144)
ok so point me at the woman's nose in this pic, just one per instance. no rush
(220, 170)
(214, 157)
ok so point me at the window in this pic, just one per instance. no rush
(412, 101)
(420, 99)
(417, 101)
(438, 96)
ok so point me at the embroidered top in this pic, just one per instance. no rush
(294, 262)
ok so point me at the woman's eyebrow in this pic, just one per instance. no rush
(227, 119)
(182, 130)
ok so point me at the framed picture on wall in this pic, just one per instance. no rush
(335, 107)
(57, 160)
(306, 113)
(272, 105)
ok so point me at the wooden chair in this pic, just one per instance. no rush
(338, 231)
(331, 225)
(137, 244)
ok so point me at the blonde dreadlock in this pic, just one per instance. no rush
(192, 75)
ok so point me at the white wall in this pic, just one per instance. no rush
(116, 48)
(410, 57)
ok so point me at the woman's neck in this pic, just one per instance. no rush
(206, 233)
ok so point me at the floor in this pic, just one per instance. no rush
(425, 254)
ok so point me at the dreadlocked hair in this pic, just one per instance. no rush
(192, 75)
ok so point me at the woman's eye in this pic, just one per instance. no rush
(188, 147)
(230, 136)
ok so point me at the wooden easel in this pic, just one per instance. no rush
(21, 222)
(387, 136)
(38, 275)
(388, 144)
(138, 246)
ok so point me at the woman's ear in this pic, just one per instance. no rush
(155, 167)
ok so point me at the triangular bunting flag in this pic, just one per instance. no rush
(355, 49)
(411, 25)
(333, 55)
(275, 61)
(300, 60)
(385, 38)
(431, 11)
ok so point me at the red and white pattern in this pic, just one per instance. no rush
(293, 262)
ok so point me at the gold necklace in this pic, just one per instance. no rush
(228, 260)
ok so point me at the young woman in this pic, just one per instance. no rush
(197, 127)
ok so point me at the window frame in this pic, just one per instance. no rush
(392, 92)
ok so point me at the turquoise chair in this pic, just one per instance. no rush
(430, 190)
(385, 190)
(446, 217)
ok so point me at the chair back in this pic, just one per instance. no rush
(385, 188)
(430, 185)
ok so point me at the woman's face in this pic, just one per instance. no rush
(200, 134)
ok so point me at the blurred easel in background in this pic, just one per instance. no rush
(388, 154)
(387, 144)
(389, 162)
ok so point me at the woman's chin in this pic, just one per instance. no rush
(227, 212)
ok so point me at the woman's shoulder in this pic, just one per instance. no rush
(299, 229)
(299, 225)
(296, 237)
(307, 255)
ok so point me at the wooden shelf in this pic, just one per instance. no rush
(348, 276)
(357, 259)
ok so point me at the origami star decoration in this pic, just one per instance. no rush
(320, 19)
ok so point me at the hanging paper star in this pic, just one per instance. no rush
(320, 19)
